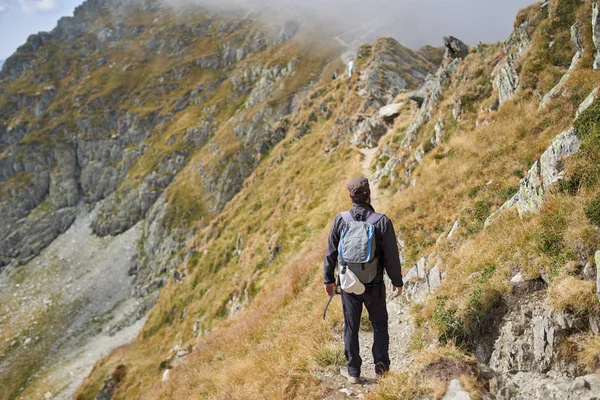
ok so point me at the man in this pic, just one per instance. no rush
(374, 297)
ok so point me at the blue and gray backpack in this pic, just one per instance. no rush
(357, 250)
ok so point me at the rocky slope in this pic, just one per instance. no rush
(124, 134)
(501, 135)
(194, 162)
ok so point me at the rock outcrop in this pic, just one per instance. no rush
(557, 90)
(505, 76)
(596, 32)
(390, 69)
(545, 172)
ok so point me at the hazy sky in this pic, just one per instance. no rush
(412, 22)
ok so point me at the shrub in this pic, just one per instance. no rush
(449, 326)
(592, 210)
(481, 210)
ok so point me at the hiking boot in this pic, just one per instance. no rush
(351, 379)
(381, 369)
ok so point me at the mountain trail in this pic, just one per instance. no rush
(400, 329)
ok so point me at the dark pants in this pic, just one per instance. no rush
(375, 301)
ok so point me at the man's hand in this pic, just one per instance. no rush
(330, 289)
(399, 289)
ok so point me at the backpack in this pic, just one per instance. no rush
(357, 250)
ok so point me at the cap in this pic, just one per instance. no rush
(359, 187)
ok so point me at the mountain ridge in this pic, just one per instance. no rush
(221, 147)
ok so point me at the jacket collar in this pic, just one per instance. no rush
(363, 205)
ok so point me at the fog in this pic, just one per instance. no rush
(413, 22)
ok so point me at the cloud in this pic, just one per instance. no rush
(3, 6)
(412, 22)
(37, 6)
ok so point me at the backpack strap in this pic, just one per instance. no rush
(347, 216)
(374, 218)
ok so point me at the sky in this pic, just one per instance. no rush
(413, 22)
(21, 18)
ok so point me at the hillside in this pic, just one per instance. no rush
(125, 135)
(168, 180)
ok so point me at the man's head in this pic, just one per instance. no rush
(358, 190)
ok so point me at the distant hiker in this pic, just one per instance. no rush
(335, 75)
(361, 244)
(350, 69)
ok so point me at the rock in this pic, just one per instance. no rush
(48, 395)
(530, 334)
(588, 272)
(379, 84)
(346, 391)
(596, 32)
(559, 88)
(587, 103)
(439, 133)
(457, 109)
(517, 278)
(182, 353)
(368, 131)
(455, 48)
(165, 375)
(421, 267)
(434, 278)
(411, 274)
(390, 112)
(597, 259)
(178, 276)
(505, 78)
(274, 247)
(455, 391)
(580, 384)
(545, 172)
(454, 229)
(433, 88)
(418, 96)
(419, 154)
(418, 291)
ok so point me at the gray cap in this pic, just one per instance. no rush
(359, 187)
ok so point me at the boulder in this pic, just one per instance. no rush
(367, 131)
(390, 112)
(455, 48)
(418, 96)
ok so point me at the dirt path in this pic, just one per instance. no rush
(400, 327)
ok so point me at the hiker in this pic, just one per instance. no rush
(346, 250)
(335, 75)
(350, 69)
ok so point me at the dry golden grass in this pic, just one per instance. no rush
(272, 347)
(589, 355)
(429, 375)
(575, 296)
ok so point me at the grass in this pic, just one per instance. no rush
(429, 374)
(277, 341)
(575, 296)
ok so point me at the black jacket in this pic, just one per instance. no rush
(386, 244)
